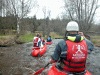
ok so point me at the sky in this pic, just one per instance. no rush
(97, 17)
(56, 8)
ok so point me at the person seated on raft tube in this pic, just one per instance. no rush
(49, 39)
(36, 41)
(42, 41)
(71, 53)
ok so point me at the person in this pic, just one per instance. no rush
(42, 41)
(36, 41)
(70, 54)
(37, 35)
(49, 39)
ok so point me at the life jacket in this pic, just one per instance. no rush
(48, 39)
(36, 42)
(76, 56)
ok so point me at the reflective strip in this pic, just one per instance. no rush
(73, 38)
(81, 38)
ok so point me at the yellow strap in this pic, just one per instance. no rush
(73, 38)
(81, 38)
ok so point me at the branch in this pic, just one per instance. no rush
(91, 11)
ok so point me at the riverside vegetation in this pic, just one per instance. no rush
(8, 40)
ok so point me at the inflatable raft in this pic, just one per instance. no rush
(36, 51)
(55, 71)
(49, 43)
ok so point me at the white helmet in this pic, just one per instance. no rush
(72, 26)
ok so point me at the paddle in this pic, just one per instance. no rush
(40, 48)
(39, 52)
(38, 72)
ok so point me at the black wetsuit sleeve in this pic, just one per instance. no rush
(90, 45)
(57, 53)
(60, 50)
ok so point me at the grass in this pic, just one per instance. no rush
(5, 37)
(55, 35)
(26, 38)
(96, 40)
(29, 37)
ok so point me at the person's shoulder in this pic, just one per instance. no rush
(88, 42)
(61, 42)
(35, 37)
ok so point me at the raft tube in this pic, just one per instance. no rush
(35, 51)
(55, 71)
(49, 43)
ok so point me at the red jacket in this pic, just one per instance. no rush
(76, 56)
(35, 42)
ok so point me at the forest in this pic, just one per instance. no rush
(14, 17)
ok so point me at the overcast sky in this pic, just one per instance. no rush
(56, 8)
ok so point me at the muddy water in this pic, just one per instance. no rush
(17, 60)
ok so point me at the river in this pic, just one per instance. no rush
(17, 60)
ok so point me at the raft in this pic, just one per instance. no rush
(36, 51)
(49, 43)
(55, 71)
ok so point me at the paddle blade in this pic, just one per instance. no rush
(38, 72)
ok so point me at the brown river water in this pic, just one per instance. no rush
(17, 60)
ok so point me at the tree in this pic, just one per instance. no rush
(35, 23)
(48, 23)
(82, 11)
(20, 8)
(44, 22)
(0, 7)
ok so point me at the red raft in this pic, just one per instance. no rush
(35, 51)
(54, 71)
(49, 43)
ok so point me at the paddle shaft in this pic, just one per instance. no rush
(40, 49)
(39, 52)
(46, 65)
(38, 72)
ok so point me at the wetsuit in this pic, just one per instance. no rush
(61, 49)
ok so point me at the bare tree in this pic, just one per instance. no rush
(83, 11)
(44, 23)
(20, 8)
(48, 23)
(2, 7)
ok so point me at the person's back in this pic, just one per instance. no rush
(72, 51)
(36, 41)
(76, 54)
(42, 41)
(49, 39)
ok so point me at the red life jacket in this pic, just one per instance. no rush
(35, 41)
(76, 56)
